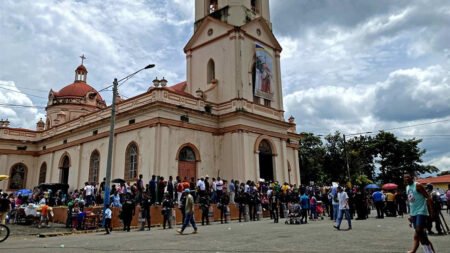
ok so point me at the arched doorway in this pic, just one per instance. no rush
(265, 161)
(64, 170)
(187, 163)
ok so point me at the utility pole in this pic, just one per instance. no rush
(346, 159)
(111, 135)
(110, 145)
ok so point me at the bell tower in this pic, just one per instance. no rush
(239, 10)
(234, 56)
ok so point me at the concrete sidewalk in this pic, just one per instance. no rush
(372, 235)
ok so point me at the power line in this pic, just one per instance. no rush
(24, 106)
(422, 124)
(402, 127)
(22, 93)
(23, 88)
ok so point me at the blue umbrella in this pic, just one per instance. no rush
(372, 186)
(23, 192)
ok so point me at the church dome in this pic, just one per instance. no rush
(79, 92)
(76, 90)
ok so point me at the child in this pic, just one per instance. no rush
(108, 214)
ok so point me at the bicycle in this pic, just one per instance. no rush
(4, 232)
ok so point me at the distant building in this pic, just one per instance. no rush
(226, 119)
(440, 182)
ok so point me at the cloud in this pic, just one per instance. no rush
(406, 98)
(414, 94)
(45, 39)
(442, 162)
(18, 116)
(347, 65)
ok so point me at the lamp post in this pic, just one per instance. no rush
(111, 134)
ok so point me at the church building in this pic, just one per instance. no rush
(225, 120)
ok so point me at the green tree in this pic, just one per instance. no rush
(361, 152)
(397, 157)
(311, 153)
(334, 165)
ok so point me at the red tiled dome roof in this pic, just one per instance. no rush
(77, 89)
(81, 68)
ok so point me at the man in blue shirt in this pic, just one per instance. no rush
(378, 199)
(304, 202)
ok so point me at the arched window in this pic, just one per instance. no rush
(131, 161)
(94, 166)
(42, 173)
(17, 176)
(213, 6)
(211, 71)
(187, 155)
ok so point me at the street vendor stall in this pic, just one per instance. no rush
(31, 214)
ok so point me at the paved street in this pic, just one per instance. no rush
(388, 235)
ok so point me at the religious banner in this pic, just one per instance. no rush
(263, 75)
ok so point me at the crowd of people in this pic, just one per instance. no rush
(251, 198)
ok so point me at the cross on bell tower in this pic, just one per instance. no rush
(82, 59)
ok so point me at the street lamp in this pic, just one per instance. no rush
(111, 133)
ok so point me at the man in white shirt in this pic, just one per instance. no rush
(219, 185)
(343, 208)
(247, 187)
(201, 187)
(89, 191)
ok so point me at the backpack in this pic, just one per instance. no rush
(335, 197)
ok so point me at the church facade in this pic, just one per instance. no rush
(225, 120)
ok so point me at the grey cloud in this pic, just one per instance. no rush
(414, 94)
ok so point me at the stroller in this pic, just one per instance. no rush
(319, 210)
(294, 215)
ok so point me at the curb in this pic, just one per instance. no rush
(46, 235)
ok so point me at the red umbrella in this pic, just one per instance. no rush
(390, 186)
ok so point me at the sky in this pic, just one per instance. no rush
(350, 65)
